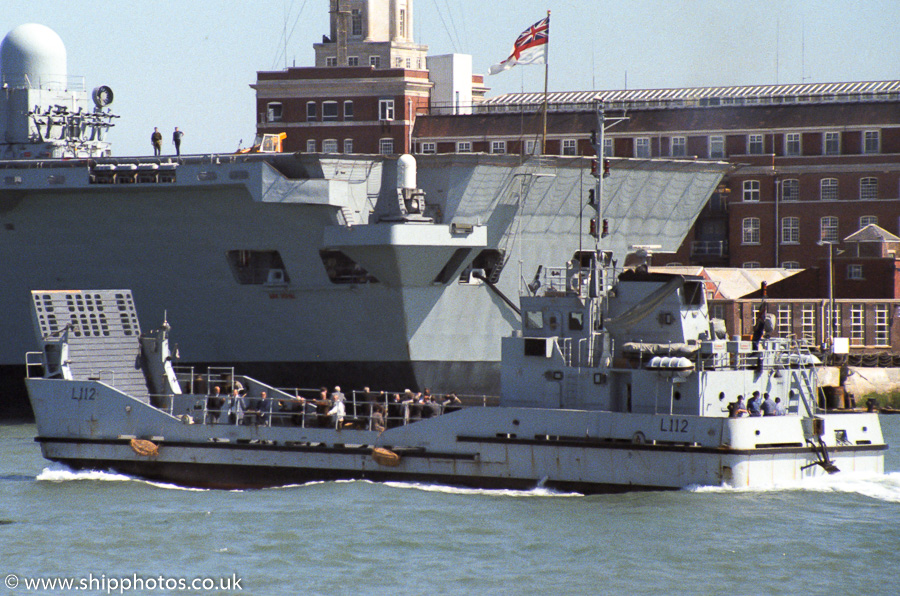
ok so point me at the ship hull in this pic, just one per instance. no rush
(486, 447)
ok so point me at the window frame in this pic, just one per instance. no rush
(871, 142)
(715, 140)
(754, 140)
(329, 106)
(792, 184)
(348, 113)
(311, 112)
(386, 111)
(750, 191)
(793, 144)
(750, 231)
(568, 147)
(827, 190)
(834, 138)
(790, 230)
(271, 110)
(868, 188)
(498, 147)
(642, 147)
(386, 146)
(329, 146)
(348, 145)
(829, 229)
(310, 145)
(679, 142)
(464, 146)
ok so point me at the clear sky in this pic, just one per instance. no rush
(189, 63)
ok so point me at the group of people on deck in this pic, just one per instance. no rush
(756, 406)
(372, 410)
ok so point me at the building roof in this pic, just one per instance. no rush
(872, 233)
(733, 283)
(863, 91)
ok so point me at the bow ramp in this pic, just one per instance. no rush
(94, 335)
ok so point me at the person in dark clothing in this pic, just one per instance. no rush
(156, 141)
(176, 139)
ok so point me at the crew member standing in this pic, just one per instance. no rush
(156, 141)
(176, 138)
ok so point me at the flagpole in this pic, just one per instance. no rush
(546, 78)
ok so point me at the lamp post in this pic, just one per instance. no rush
(831, 321)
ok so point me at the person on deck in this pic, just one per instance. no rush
(156, 141)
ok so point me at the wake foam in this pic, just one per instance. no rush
(64, 474)
(455, 490)
(882, 487)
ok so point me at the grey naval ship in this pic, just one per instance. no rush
(302, 269)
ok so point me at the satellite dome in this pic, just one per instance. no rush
(33, 55)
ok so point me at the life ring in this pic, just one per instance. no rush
(638, 438)
(385, 457)
(144, 448)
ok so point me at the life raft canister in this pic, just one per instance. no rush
(144, 447)
(385, 457)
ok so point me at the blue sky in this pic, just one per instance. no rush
(190, 63)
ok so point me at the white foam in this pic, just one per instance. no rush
(64, 474)
(883, 487)
(455, 490)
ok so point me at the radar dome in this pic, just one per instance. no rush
(33, 55)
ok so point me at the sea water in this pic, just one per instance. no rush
(109, 533)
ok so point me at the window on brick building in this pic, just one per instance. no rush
(348, 110)
(808, 324)
(750, 230)
(310, 110)
(790, 230)
(464, 147)
(311, 146)
(385, 109)
(882, 325)
(716, 147)
(386, 146)
(755, 144)
(375, 61)
(871, 141)
(642, 147)
(569, 147)
(273, 111)
(828, 229)
(868, 188)
(348, 145)
(828, 189)
(790, 264)
(352, 60)
(790, 190)
(678, 146)
(832, 143)
(751, 191)
(855, 272)
(608, 149)
(857, 325)
(751, 265)
(429, 147)
(532, 147)
(498, 146)
(329, 110)
(792, 144)
(330, 146)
